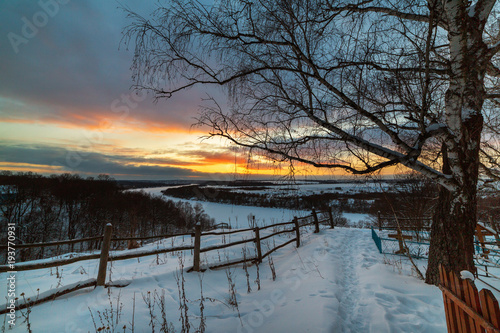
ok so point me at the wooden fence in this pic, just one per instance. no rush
(468, 310)
(104, 255)
(400, 222)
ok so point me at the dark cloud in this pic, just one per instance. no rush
(73, 64)
(119, 166)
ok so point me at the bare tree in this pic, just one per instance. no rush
(353, 85)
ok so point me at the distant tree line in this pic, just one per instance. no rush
(410, 196)
(68, 206)
(347, 202)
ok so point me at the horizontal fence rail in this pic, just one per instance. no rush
(55, 243)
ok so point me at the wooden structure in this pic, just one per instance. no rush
(481, 232)
(103, 261)
(400, 237)
(405, 223)
(107, 239)
(468, 310)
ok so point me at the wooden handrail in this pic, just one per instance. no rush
(218, 247)
(277, 233)
(279, 247)
(48, 264)
(55, 243)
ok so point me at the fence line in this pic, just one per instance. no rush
(104, 256)
(55, 243)
(115, 257)
(468, 310)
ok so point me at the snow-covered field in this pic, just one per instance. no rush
(335, 282)
(305, 188)
(238, 216)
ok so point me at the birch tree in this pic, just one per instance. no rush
(352, 85)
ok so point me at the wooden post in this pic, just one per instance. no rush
(257, 243)
(330, 215)
(316, 222)
(197, 246)
(297, 230)
(103, 262)
(379, 220)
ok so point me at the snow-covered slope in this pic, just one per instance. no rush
(335, 282)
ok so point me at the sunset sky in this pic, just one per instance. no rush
(66, 103)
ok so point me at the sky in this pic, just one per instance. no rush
(66, 103)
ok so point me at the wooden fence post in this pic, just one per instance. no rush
(297, 230)
(103, 262)
(257, 244)
(379, 220)
(316, 222)
(330, 215)
(197, 246)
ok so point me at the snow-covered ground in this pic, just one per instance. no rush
(335, 282)
(238, 216)
(305, 188)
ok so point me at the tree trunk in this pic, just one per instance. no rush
(452, 233)
(455, 218)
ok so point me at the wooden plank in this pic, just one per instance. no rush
(400, 236)
(218, 247)
(53, 263)
(51, 297)
(489, 305)
(276, 225)
(472, 299)
(446, 300)
(148, 253)
(480, 238)
(55, 243)
(234, 262)
(483, 322)
(456, 306)
(277, 233)
(121, 239)
(451, 307)
(464, 318)
(278, 247)
(226, 232)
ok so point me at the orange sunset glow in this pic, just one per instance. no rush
(66, 105)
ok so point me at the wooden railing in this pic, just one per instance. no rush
(104, 256)
(468, 310)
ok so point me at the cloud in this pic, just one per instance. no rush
(120, 166)
(225, 156)
(73, 71)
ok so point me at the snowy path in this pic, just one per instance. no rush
(335, 282)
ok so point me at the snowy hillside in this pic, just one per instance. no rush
(238, 216)
(335, 282)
